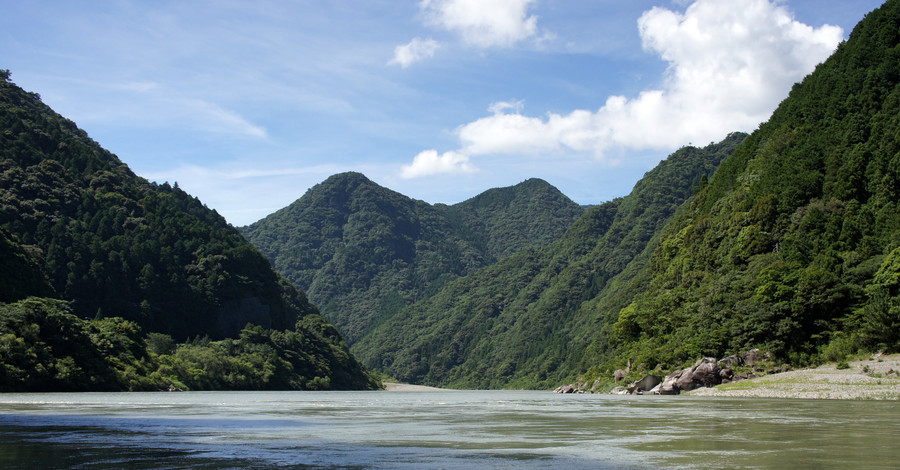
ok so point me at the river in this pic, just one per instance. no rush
(447, 429)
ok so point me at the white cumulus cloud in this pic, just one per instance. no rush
(484, 23)
(430, 162)
(730, 64)
(416, 50)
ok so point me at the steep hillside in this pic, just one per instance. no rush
(25, 278)
(793, 245)
(362, 251)
(502, 221)
(517, 323)
(77, 225)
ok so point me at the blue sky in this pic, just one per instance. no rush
(248, 104)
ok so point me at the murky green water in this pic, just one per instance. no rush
(496, 429)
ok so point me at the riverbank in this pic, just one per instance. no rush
(398, 387)
(876, 378)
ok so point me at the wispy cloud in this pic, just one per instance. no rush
(416, 50)
(730, 63)
(151, 104)
(216, 119)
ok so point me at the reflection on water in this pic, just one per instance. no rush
(496, 429)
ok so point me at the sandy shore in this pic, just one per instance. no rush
(877, 378)
(398, 387)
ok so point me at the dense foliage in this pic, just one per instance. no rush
(28, 279)
(787, 240)
(77, 225)
(518, 323)
(45, 347)
(362, 251)
(792, 246)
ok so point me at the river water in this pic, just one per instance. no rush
(452, 429)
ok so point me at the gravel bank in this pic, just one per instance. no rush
(877, 378)
(398, 387)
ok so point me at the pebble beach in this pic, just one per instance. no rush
(875, 378)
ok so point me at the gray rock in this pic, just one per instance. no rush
(730, 362)
(646, 383)
(619, 374)
(668, 387)
(685, 380)
(751, 357)
(705, 360)
(706, 375)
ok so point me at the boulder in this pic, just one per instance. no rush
(730, 362)
(705, 360)
(726, 374)
(668, 386)
(620, 390)
(706, 375)
(685, 380)
(565, 389)
(619, 374)
(751, 357)
(646, 383)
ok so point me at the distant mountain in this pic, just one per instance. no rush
(502, 221)
(518, 323)
(362, 251)
(77, 225)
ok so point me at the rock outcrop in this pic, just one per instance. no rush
(706, 372)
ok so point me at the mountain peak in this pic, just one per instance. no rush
(363, 251)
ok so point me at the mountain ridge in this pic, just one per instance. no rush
(85, 238)
(362, 251)
(503, 325)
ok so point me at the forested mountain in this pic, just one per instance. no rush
(787, 240)
(517, 323)
(502, 221)
(78, 226)
(362, 251)
(793, 245)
